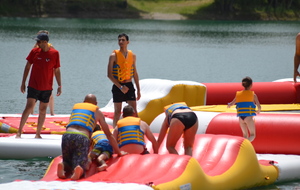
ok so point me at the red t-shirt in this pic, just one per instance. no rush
(43, 65)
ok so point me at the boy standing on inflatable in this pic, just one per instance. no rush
(246, 102)
(121, 69)
(42, 63)
(51, 99)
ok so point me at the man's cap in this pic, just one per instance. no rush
(42, 36)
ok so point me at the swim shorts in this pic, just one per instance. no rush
(188, 119)
(75, 149)
(119, 96)
(103, 147)
(42, 96)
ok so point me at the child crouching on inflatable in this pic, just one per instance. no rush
(246, 102)
(101, 151)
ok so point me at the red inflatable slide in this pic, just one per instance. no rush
(267, 92)
(218, 162)
(275, 133)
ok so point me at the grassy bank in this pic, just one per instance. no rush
(155, 9)
(170, 7)
(215, 10)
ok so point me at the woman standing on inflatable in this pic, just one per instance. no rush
(246, 102)
(181, 120)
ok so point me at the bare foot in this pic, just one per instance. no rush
(38, 136)
(102, 167)
(77, 173)
(61, 171)
(18, 136)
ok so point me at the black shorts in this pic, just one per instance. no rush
(119, 96)
(188, 119)
(42, 96)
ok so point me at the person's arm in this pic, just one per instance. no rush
(231, 103)
(25, 75)
(150, 136)
(256, 101)
(297, 58)
(115, 133)
(111, 61)
(296, 66)
(136, 79)
(108, 134)
(58, 80)
(163, 131)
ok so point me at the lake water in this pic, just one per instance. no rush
(202, 51)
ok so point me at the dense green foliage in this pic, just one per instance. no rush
(258, 9)
(63, 8)
(215, 9)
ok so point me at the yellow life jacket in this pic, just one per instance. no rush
(123, 69)
(244, 96)
(244, 103)
(83, 114)
(129, 131)
(98, 136)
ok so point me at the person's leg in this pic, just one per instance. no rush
(51, 105)
(101, 160)
(243, 126)
(41, 118)
(61, 171)
(175, 131)
(32, 110)
(80, 156)
(77, 173)
(67, 149)
(251, 126)
(28, 109)
(92, 156)
(117, 112)
(132, 103)
(189, 138)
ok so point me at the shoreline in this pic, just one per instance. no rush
(156, 16)
(163, 16)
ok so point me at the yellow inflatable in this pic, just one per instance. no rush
(191, 94)
(157, 93)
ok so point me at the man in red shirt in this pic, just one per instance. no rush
(43, 62)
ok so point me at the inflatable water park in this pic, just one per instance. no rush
(222, 158)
